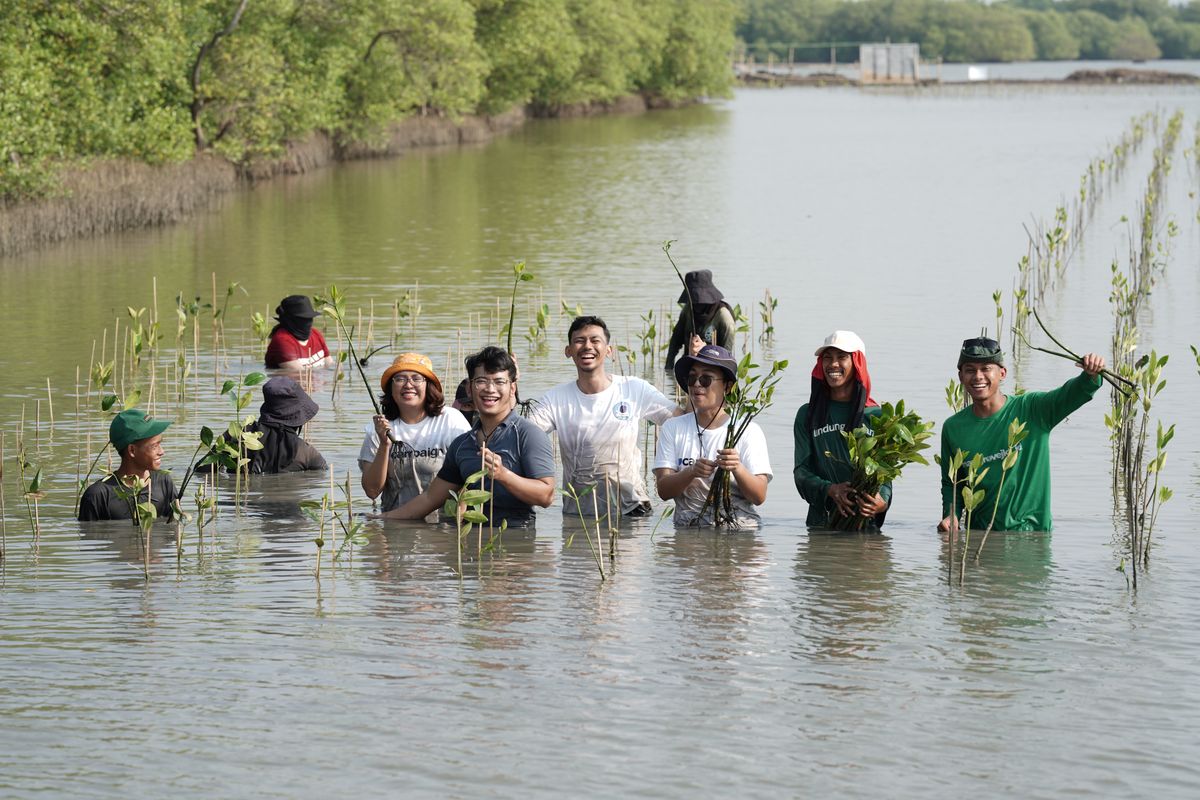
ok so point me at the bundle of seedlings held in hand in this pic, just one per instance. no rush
(748, 398)
(894, 439)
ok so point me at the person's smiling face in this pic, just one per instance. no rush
(588, 348)
(408, 390)
(838, 366)
(981, 380)
(706, 398)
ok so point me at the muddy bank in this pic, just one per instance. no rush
(116, 195)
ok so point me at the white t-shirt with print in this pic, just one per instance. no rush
(678, 448)
(417, 453)
(598, 436)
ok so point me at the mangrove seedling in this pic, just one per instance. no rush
(32, 493)
(231, 448)
(955, 397)
(1016, 435)
(878, 451)
(766, 314)
(538, 332)
(315, 510)
(668, 511)
(750, 395)
(953, 472)
(351, 531)
(142, 513)
(1122, 385)
(972, 497)
(261, 325)
(333, 305)
(466, 507)
(520, 275)
(569, 491)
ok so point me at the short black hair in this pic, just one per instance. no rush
(585, 322)
(492, 359)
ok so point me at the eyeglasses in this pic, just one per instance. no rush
(705, 381)
(483, 383)
(410, 380)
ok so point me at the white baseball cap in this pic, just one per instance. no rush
(846, 341)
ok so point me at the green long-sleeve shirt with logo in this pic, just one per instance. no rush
(1024, 504)
(813, 470)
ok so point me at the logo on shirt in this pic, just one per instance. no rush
(685, 462)
(623, 410)
(402, 450)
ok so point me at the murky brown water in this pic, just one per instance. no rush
(766, 663)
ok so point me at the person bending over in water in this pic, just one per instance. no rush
(691, 447)
(137, 437)
(295, 343)
(840, 401)
(513, 452)
(982, 427)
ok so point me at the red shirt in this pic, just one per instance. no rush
(284, 347)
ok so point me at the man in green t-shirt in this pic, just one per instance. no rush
(982, 427)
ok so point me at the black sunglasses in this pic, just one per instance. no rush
(705, 381)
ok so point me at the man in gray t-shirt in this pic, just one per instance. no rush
(515, 454)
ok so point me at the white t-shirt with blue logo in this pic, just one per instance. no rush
(679, 445)
(598, 437)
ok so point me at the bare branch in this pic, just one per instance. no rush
(205, 49)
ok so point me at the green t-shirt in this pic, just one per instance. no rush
(813, 470)
(1025, 502)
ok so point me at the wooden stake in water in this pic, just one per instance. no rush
(3, 512)
(50, 405)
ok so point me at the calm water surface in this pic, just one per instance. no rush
(769, 663)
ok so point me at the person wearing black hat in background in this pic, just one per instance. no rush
(704, 319)
(295, 343)
(692, 447)
(285, 409)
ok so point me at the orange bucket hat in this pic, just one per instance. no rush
(410, 362)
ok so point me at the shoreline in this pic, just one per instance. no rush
(1117, 76)
(114, 195)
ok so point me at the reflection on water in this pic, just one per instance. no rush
(844, 593)
(704, 663)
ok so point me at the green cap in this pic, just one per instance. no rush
(133, 425)
(981, 350)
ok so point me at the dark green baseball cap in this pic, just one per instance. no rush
(133, 425)
(981, 350)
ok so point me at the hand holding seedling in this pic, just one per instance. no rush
(382, 428)
(695, 345)
(728, 460)
(704, 468)
(1092, 364)
(493, 464)
(843, 497)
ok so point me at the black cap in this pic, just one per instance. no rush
(296, 305)
(981, 350)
